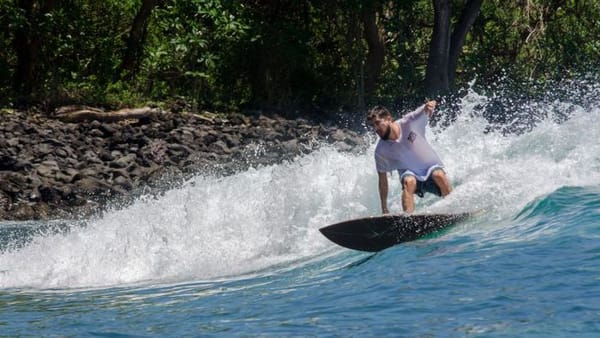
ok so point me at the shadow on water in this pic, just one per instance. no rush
(361, 261)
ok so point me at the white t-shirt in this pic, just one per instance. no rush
(411, 151)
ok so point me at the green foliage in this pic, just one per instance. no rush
(409, 27)
(188, 46)
(8, 19)
(277, 54)
(535, 39)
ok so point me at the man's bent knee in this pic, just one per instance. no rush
(409, 183)
(441, 180)
(438, 174)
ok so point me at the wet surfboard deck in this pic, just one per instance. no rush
(381, 232)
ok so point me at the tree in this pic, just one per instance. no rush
(376, 47)
(446, 46)
(27, 43)
(132, 57)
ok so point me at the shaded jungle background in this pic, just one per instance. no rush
(339, 55)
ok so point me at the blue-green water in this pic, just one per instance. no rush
(242, 255)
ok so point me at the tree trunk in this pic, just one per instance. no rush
(375, 55)
(27, 43)
(467, 18)
(135, 42)
(74, 114)
(436, 77)
(445, 49)
(26, 47)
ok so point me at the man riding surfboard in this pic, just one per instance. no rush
(402, 146)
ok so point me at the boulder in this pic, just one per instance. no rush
(12, 182)
(124, 161)
(48, 168)
(91, 186)
(23, 212)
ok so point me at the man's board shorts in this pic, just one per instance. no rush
(424, 186)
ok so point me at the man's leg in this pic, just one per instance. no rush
(441, 180)
(409, 186)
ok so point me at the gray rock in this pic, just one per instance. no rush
(67, 175)
(43, 149)
(61, 152)
(11, 163)
(219, 147)
(48, 168)
(12, 182)
(107, 129)
(290, 147)
(23, 211)
(124, 161)
(123, 182)
(105, 156)
(50, 194)
(96, 133)
(91, 186)
(91, 157)
(13, 142)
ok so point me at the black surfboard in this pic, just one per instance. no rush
(377, 233)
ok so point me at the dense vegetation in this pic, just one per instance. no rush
(286, 54)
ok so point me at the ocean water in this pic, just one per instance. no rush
(242, 255)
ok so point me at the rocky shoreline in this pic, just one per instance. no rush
(50, 169)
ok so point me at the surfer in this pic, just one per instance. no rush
(402, 146)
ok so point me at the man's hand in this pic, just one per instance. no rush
(385, 211)
(430, 106)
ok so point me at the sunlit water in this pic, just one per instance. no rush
(242, 254)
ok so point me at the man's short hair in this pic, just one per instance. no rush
(377, 112)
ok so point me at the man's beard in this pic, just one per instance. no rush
(386, 136)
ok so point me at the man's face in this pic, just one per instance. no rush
(382, 126)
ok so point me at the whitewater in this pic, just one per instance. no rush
(242, 254)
